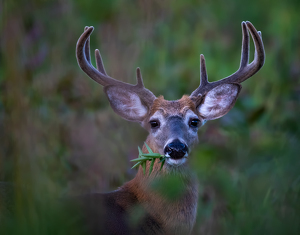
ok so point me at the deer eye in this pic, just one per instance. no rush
(194, 122)
(154, 123)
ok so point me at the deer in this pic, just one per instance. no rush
(172, 127)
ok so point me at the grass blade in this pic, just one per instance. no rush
(140, 151)
(162, 163)
(144, 167)
(148, 148)
(151, 166)
(155, 155)
(141, 159)
(137, 164)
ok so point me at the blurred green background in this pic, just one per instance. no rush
(58, 135)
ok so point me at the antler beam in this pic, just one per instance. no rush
(245, 71)
(99, 75)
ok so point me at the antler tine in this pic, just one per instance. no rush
(245, 47)
(259, 57)
(99, 75)
(203, 77)
(87, 47)
(139, 77)
(203, 73)
(245, 70)
(83, 59)
(99, 62)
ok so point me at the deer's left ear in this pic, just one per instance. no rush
(219, 101)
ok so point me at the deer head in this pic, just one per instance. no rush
(173, 125)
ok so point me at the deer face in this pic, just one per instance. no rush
(173, 127)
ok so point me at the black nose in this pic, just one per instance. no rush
(176, 149)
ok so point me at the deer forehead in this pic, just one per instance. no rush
(175, 107)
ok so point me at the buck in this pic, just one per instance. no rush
(172, 127)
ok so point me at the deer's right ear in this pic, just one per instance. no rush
(218, 101)
(126, 103)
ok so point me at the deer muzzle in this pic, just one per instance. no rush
(176, 149)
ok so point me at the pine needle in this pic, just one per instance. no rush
(151, 156)
(148, 148)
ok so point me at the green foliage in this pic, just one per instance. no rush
(169, 187)
(150, 156)
(58, 136)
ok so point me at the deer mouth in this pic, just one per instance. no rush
(176, 161)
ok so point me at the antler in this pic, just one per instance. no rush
(100, 76)
(245, 71)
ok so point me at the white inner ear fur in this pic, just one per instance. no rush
(218, 101)
(127, 104)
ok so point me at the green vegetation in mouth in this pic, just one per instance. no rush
(144, 157)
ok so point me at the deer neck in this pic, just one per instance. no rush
(178, 213)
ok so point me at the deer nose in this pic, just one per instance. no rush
(176, 149)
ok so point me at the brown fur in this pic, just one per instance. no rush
(173, 106)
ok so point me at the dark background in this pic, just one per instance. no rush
(58, 135)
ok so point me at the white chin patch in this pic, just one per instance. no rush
(176, 162)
